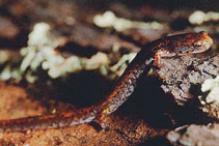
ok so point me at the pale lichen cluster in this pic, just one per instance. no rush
(41, 54)
(199, 17)
(210, 96)
(109, 19)
(212, 87)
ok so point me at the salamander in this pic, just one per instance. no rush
(169, 46)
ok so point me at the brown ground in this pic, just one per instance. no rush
(16, 102)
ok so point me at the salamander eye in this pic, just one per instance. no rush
(198, 44)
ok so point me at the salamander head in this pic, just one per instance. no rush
(203, 42)
(184, 44)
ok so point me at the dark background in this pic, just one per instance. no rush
(169, 4)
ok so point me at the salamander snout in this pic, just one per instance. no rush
(202, 43)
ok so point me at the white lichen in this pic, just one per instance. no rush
(40, 53)
(96, 61)
(10, 73)
(199, 17)
(212, 87)
(122, 64)
(40, 49)
(109, 19)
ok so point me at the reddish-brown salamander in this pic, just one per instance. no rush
(170, 46)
